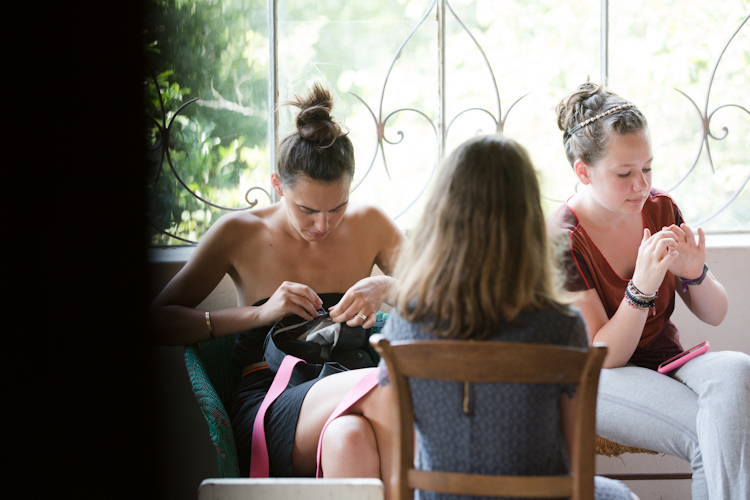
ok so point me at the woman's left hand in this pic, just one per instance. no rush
(361, 302)
(692, 255)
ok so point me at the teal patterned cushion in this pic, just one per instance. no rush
(214, 378)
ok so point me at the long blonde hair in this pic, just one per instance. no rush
(480, 253)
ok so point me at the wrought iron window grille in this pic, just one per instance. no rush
(441, 127)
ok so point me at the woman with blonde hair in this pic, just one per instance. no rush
(480, 267)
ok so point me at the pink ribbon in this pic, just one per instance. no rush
(360, 390)
(259, 448)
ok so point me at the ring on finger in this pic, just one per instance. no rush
(363, 316)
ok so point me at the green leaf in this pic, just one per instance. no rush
(163, 75)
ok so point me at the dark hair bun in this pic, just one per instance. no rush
(314, 121)
(319, 150)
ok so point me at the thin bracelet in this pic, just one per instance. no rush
(208, 323)
(639, 294)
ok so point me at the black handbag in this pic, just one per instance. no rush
(350, 352)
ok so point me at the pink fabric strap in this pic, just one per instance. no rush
(364, 386)
(259, 448)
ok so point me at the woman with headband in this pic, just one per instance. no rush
(629, 254)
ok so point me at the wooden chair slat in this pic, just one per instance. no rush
(485, 485)
(553, 364)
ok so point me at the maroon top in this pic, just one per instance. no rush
(586, 268)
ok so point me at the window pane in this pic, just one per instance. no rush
(658, 47)
(349, 46)
(217, 52)
(543, 48)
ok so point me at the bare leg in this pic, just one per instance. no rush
(350, 448)
(320, 401)
(377, 407)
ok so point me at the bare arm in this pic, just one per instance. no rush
(708, 301)
(174, 319)
(621, 333)
(392, 239)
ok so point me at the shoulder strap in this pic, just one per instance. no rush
(259, 448)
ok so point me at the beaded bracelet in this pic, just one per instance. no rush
(638, 303)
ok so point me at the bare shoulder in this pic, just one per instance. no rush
(234, 232)
(371, 215)
(218, 253)
(371, 223)
(238, 225)
(378, 231)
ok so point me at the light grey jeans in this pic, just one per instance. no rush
(705, 419)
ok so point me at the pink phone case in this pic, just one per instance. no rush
(683, 357)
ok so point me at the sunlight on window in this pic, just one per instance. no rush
(495, 54)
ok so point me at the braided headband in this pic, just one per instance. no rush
(593, 119)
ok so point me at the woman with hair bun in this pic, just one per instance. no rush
(306, 258)
(480, 267)
(629, 251)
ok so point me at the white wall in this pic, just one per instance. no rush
(186, 455)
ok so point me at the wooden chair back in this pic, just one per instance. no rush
(490, 361)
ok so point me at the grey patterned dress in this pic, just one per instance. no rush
(511, 429)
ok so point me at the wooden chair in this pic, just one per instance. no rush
(488, 361)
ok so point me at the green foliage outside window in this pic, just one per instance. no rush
(217, 52)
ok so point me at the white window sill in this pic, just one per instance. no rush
(180, 254)
(170, 255)
(728, 240)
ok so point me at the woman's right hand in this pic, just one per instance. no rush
(622, 331)
(655, 254)
(290, 298)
